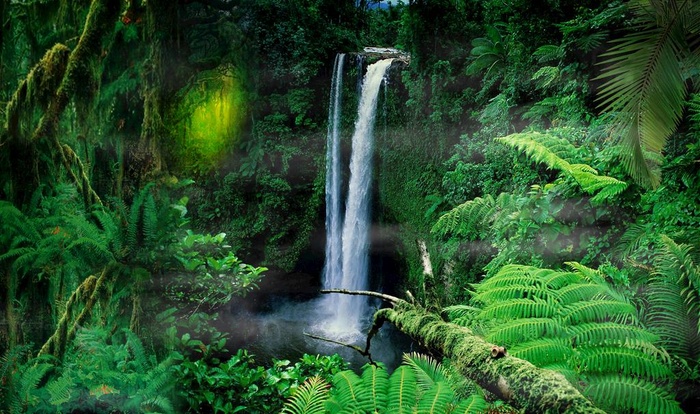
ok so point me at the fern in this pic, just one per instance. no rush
(60, 390)
(520, 308)
(474, 404)
(436, 399)
(621, 393)
(543, 351)
(628, 361)
(309, 398)
(598, 311)
(426, 369)
(609, 333)
(347, 391)
(553, 151)
(521, 330)
(376, 381)
(575, 323)
(403, 390)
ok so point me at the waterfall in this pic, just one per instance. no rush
(333, 270)
(347, 311)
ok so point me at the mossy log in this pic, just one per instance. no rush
(512, 379)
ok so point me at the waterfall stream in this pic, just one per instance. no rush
(345, 311)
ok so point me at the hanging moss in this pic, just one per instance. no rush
(35, 92)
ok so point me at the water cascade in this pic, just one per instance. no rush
(350, 270)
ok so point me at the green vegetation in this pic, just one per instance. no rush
(162, 160)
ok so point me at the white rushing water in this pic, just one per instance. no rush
(333, 265)
(345, 311)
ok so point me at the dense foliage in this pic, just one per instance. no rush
(160, 160)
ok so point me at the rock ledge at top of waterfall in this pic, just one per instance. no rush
(386, 53)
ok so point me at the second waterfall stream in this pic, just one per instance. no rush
(348, 237)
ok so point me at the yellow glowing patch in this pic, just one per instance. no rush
(209, 119)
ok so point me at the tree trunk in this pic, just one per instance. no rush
(514, 380)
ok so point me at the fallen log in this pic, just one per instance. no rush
(514, 380)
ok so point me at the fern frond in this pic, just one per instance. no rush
(346, 392)
(467, 219)
(427, 370)
(548, 53)
(629, 361)
(523, 330)
(519, 308)
(514, 292)
(436, 399)
(598, 311)
(376, 383)
(157, 404)
(403, 388)
(136, 346)
(60, 390)
(150, 220)
(309, 398)
(534, 145)
(545, 76)
(624, 394)
(669, 317)
(580, 291)
(543, 351)
(474, 404)
(610, 333)
(675, 259)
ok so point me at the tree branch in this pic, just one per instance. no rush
(388, 298)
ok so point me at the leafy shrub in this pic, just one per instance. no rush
(239, 385)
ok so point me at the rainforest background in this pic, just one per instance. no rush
(162, 164)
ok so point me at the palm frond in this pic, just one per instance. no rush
(644, 87)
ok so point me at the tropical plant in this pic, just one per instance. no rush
(537, 227)
(673, 297)
(238, 384)
(647, 73)
(208, 273)
(574, 322)
(100, 373)
(420, 384)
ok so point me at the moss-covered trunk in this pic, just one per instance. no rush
(514, 380)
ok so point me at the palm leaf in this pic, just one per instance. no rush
(645, 87)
